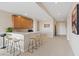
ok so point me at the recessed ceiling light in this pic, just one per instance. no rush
(59, 14)
(56, 2)
(25, 14)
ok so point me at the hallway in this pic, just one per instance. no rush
(58, 46)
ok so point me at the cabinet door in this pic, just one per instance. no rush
(16, 22)
(30, 25)
(23, 22)
(26, 23)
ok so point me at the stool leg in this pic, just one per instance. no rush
(30, 47)
(14, 50)
(7, 45)
(36, 44)
(11, 43)
(39, 43)
(19, 48)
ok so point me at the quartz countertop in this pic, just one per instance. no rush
(24, 32)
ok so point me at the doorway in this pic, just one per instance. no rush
(60, 28)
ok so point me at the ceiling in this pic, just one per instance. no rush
(40, 11)
(57, 10)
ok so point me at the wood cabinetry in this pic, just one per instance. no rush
(21, 22)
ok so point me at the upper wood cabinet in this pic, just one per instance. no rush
(21, 22)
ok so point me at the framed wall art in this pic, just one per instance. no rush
(74, 20)
(46, 25)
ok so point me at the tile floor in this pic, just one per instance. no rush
(58, 46)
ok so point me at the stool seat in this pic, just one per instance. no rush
(16, 40)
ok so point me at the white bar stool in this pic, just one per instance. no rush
(9, 41)
(34, 43)
(16, 46)
(13, 43)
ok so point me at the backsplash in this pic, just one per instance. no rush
(20, 30)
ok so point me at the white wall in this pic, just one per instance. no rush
(5, 21)
(34, 25)
(49, 30)
(61, 28)
(73, 38)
